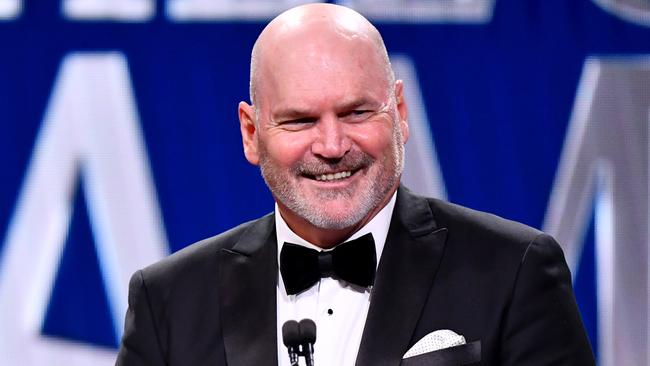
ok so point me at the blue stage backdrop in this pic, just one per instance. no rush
(119, 144)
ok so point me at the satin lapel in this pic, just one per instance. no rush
(404, 278)
(247, 283)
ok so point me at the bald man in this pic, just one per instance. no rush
(375, 266)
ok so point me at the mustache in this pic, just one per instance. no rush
(352, 161)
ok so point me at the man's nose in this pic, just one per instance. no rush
(332, 141)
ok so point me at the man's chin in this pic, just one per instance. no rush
(336, 214)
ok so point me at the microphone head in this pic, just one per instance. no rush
(291, 333)
(308, 331)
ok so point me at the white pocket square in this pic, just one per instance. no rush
(443, 338)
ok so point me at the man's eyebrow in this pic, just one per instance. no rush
(353, 104)
(290, 113)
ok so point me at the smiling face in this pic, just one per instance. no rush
(330, 129)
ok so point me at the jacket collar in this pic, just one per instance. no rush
(248, 275)
(404, 278)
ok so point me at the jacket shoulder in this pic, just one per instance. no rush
(476, 223)
(486, 235)
(201, 257)
(496, 244)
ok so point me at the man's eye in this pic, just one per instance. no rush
(357, 114)
(297, 123)
(302, 120)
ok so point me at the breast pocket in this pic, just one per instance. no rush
(465, 354)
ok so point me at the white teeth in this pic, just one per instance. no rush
(330, 177)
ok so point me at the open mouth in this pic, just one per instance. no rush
(332, 176)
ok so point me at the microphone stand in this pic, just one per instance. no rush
(309, 354)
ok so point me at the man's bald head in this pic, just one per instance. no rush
(308, 25)
(329, 120)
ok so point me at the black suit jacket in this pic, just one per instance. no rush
(504, 286)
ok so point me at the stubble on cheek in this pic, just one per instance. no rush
(334, 208)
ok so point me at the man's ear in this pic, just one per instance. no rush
(248, 129)
(402, 109)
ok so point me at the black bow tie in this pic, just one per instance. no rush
(354, 262)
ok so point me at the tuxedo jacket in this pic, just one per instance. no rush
(502, 285)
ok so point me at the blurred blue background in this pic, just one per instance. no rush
(119, 143)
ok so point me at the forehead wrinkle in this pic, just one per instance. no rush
(324, 56)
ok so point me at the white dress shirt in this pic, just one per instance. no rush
(338, 309)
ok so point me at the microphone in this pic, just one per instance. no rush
(307, 340)
(292, 339)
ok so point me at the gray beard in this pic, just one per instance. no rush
(318, 217)
(285, 193)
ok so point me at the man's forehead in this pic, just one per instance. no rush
(321, 51)
(313, 39)
(326, 57)
(318, 45)
(323, 84)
